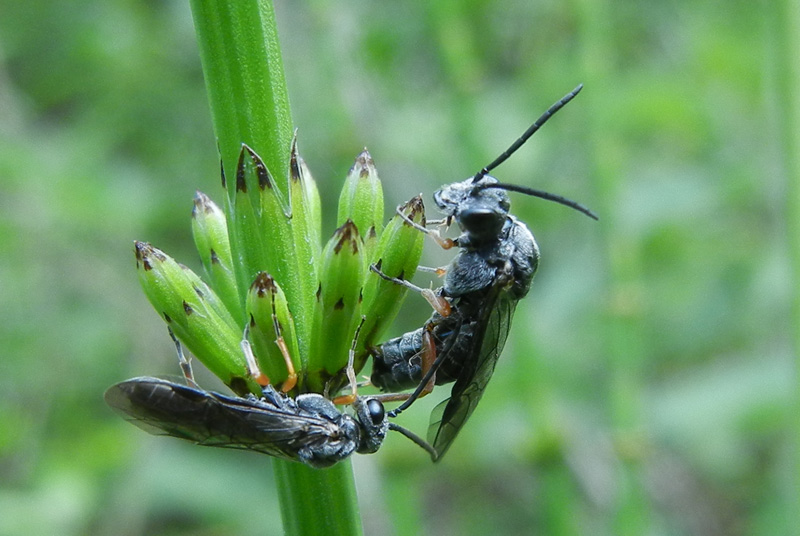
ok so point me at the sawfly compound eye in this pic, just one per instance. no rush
(482, 221)
(376, 411)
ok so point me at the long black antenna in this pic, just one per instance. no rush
(542, 194)
(528, 133)
(416, 439)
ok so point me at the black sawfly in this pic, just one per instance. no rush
(308, 428)
(493, 270)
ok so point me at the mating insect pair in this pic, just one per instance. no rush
(461, 342)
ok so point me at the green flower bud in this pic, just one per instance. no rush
(338, 305)
(276, 238)
(247, 238)
(305, 302)
(312, 201)
(397, 255)
(305, 253)
(272, 331)
(210, 233)
(361, 201)
(195, 314)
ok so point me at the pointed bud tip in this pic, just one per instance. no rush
(363, 164)
(146, 254)
(295, 162)
(263, 284)
(414, 209)
(262, 173)
(241, 184)
(201, 203)
(347, 234)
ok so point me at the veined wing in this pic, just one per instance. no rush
(449, 416)
(162, 407)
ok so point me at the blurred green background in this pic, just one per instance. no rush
(648, 384)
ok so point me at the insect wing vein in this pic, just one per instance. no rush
(162, 407)
(449, 416)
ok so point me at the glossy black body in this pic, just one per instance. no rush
(493, 269)
(308, 429)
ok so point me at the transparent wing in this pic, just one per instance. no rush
(449, 417)
(162, 407)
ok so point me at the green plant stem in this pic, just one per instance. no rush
(327, 499)
(243, 70)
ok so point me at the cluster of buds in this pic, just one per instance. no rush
(269, 277)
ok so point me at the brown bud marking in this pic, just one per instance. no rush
(294, 162)
(264, 284)
(145, 253)
(264, 178)
(347, 235)
(363, 163)
(414, 206)
(241, 184)
(201, 202)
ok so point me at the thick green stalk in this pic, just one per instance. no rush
(329, 504)
(243, 70)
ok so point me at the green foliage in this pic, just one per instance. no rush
(648, 378)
